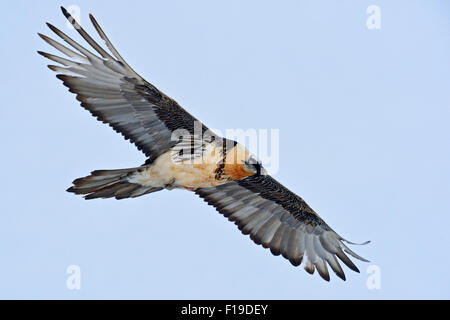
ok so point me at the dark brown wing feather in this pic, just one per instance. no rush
(115, 94)
(280, 220)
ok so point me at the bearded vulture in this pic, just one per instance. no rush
(183, 153)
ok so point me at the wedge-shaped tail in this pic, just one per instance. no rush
(109, 184)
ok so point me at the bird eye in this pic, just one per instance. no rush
(254, 165)
(251, 160)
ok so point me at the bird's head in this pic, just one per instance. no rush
(240, 163)
(253, 165)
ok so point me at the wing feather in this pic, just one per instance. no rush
(115, 94)
(279, 220)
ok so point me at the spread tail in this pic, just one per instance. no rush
(110, 183)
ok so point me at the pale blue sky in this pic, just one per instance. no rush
(364, 139)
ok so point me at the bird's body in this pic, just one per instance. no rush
(206, 171)
(184, 154)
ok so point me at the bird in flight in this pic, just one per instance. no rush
(184, 154)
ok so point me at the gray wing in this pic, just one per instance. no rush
(278, 219)
(115, 94)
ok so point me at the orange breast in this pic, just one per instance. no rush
(236, 171)
(234, 166)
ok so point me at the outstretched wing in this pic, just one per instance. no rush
(114, 93)
(280, 220)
